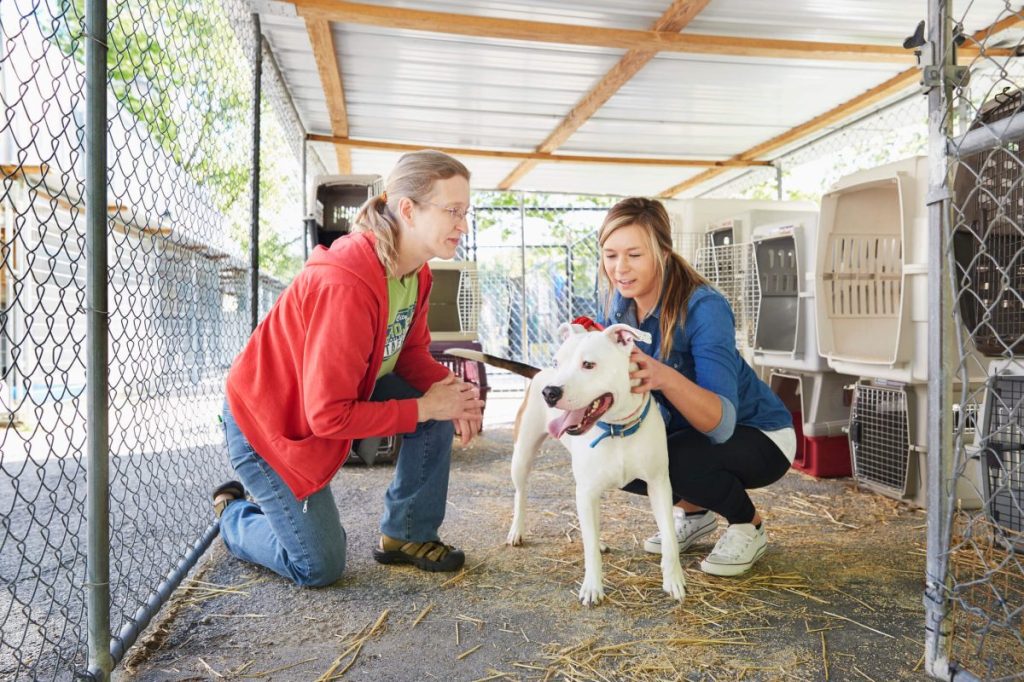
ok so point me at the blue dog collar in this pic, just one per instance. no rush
(622, 430)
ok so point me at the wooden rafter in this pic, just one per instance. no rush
(569, 34)
(675, 18)
(322, 40)
(897, 83)
(537, 156)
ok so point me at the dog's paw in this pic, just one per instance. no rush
(514, 538)
(591, 593)
(603, 547)
(674, 586)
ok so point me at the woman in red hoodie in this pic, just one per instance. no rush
(343, 355)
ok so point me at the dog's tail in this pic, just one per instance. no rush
(520, 368)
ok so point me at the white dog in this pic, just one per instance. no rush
(613, 434)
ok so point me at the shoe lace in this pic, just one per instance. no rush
(732, 544)
(687, 526)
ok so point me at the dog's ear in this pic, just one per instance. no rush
(565, 330)
(624, 335)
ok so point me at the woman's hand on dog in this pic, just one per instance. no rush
(455, 400)
(650, 373)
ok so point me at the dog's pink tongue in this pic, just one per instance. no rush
(565, 421)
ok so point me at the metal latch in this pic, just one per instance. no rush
(932, 73)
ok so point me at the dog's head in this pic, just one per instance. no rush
(591, 379)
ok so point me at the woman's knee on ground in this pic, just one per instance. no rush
(324, 567)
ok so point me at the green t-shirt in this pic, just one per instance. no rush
(401, 305)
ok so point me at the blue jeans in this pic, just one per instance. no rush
(303, 540)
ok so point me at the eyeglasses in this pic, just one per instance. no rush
(457, 214)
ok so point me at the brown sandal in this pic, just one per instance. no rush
(427, 556)
(233, 488)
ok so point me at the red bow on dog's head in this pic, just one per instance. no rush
(587, 324)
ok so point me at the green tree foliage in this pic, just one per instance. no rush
(177, 69)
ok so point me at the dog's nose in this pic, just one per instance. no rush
(552, 394)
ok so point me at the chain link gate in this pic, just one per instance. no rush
(975, 590)
(179, 97)
(538, 267)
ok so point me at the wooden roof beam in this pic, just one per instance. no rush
(897, 83)
(537, 156)
(675, 18)
(628, 39)
(322, 40)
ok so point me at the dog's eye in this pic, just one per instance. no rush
(588, 365)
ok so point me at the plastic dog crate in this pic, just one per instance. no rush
(989, 215)
(888, 445)
(370, 451)
(786, 335)
(455, 301)
(872, 282)
(334, 201)
(467, 370)
(693, 218)
(820, 416)
(1001, 444)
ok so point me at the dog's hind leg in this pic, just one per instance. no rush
(673, 579)
(588, 508)
(530, 432)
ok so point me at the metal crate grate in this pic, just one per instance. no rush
(1004, 446)
(469, 301)
(732, 269)
(880, 437)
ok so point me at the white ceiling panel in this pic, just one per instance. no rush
(434, 89)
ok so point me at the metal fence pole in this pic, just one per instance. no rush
(305, 208)
(522, 262)
(97, 399)
(254, 231)
(940, 314)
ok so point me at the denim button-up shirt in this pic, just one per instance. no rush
(704, 351)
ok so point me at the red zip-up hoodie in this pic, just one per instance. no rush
(299, 388)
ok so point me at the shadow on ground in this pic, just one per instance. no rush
(838, 595)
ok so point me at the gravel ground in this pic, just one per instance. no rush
(838, 595)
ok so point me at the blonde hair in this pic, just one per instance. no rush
(676, 277)
(413, 176)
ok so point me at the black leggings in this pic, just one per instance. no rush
(717, 477)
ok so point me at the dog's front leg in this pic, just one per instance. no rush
(673, 579)
(588, 508)
(522, 461)
(530, 432)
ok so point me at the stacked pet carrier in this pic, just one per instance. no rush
(454, 317)
(871, 301)
(785, 342)
(725, 254)
(989, 248)
(334, 201)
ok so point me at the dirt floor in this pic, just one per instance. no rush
(837, 597)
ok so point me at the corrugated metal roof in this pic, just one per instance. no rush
(436, 89)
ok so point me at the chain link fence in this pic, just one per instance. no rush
(976, 569)
(180, 100)
(538, 263)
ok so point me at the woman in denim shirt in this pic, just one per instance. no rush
(727, 432)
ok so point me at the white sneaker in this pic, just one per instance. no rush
(689, 529)
(736, 551)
